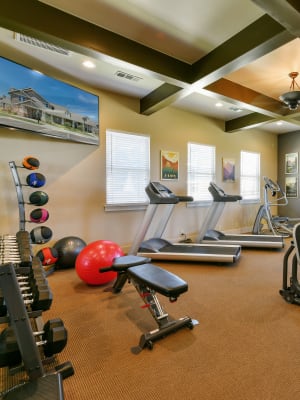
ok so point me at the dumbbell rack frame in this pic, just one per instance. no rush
(40, 385)
(20, 197)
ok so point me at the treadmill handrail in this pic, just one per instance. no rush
(219, 195)
(185, 199)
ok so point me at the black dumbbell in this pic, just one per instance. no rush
(42, 298)
(9, 350)
(36, 292)
(54, 339)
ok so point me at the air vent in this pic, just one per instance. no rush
(235, 109)
(39, 43)
(130, 77)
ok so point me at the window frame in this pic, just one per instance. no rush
(111, 169)
(256, 176)
(207, 199)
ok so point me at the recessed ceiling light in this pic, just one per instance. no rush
(219, 105)
(88, 64)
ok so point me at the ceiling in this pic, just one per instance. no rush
(190, 54)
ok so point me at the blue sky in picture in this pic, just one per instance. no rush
(13, 75)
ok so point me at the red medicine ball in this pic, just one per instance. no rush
(47, 255)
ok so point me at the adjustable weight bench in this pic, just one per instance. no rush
(149, 279)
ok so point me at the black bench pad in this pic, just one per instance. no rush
(124, 262)
(158, 279)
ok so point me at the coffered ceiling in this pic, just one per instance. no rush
(190, 54)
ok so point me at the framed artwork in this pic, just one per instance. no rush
(169, 165)
(228, 169)
(291, 186)
(291, 163)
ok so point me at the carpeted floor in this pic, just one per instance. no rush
(245, 346)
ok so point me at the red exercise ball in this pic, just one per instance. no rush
(94, 256)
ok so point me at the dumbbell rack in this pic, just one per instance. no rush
(20, 197)
(14, 261)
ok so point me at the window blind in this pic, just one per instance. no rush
(201, 170)
(250, 175)
(127, 168)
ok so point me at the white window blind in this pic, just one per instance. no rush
(127, 168)
(201, 170)
(250, 176)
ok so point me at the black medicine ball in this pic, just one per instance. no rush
(40, 235)
(38, 198)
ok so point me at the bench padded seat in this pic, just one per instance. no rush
(158, 279)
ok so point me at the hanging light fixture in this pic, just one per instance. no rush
(292, 98)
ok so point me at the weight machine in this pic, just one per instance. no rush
(291, 291)
(265, 222)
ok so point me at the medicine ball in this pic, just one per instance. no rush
(68, 248)
(47, 255)
(31, 162)
(40, 235)
(35, 180)
(38, 198)
(39, 215)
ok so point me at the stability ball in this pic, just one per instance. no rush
(68, 249)
(94, 256)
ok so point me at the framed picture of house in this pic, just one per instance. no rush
(169, 165)
(291, 186)
(291, 163)
(37, 103)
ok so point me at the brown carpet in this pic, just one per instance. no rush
(245, 346)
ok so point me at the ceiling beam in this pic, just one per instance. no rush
(247, 97)
(256, 40)
(246, 122)
(47, 23)
(179, 79)
(287, 13)
(163, 96)
(259, 38)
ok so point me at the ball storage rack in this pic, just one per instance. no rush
(28, 348)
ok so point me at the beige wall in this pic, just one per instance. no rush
(75, 172)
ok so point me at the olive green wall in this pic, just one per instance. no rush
(288, 143)
(75, 172)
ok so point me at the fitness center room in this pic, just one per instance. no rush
(150, 203)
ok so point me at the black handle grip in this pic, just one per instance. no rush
(105, 269)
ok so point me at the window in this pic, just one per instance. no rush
(250, 176)
(127, 169)
(201, 170)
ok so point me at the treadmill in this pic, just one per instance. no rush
(158, 248)
(207, 233)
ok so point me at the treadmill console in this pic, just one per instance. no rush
(220, 196)
(160, 194)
